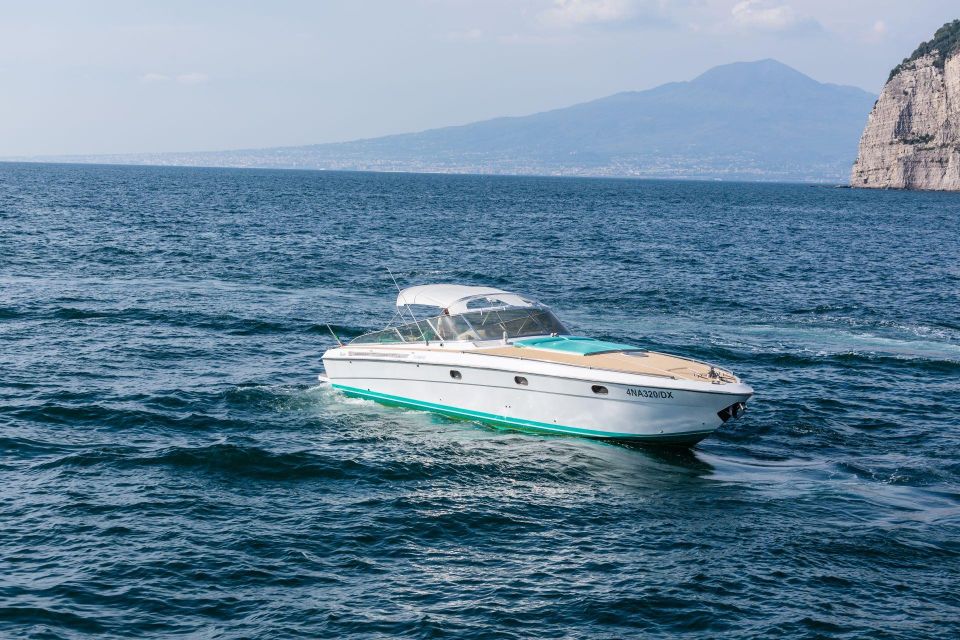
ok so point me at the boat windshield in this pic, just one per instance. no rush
(490, 324)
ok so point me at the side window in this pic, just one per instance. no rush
(417, 331)
(379, 337)
(454, 328)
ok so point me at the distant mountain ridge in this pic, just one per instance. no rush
(745, 120)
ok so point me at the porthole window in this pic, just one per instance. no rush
(456, 375)
(520, 380)
(599, 389)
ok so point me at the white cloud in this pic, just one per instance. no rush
(876, 33)
(764, 15)
(152, 78)
(573, 13)
(192, 78)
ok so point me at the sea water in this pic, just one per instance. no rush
(171, 468)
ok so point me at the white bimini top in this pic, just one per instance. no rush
(455, 298)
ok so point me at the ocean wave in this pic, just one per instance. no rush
(226, 323)
(239, 460)
(73, 313)
(255, 462)
(121, 418)
(254, 396)
(28, 448)
(342, 330)
(831, 309)
(42, 618)
(806, 344)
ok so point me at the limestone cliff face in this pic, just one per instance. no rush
(912, 138)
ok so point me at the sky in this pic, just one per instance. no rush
(132, 76)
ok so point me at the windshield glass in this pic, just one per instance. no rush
(476, 325)
(516, 323)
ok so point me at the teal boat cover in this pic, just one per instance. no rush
(573, 344)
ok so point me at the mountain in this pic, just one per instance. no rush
(912, 138)
(746, 120)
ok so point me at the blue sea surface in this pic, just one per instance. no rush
(169, 466)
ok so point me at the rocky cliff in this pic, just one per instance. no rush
(912, 138)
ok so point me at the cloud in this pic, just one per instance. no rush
(153, 78)
(875, 33)
(568, 14)
(764, 15)
(192, 78)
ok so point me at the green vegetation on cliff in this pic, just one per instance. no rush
(944, 42)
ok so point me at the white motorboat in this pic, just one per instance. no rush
(501, 358)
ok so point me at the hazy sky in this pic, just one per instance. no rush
(131, 76)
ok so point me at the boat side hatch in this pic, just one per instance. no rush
(599, 389)
(456, 375)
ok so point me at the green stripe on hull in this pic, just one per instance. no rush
(688, 437)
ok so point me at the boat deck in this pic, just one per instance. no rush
(650, 363)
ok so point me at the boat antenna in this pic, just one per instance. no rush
(330, 329)
(409, 310)
(400, 309)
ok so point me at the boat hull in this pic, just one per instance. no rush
(533, 396)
